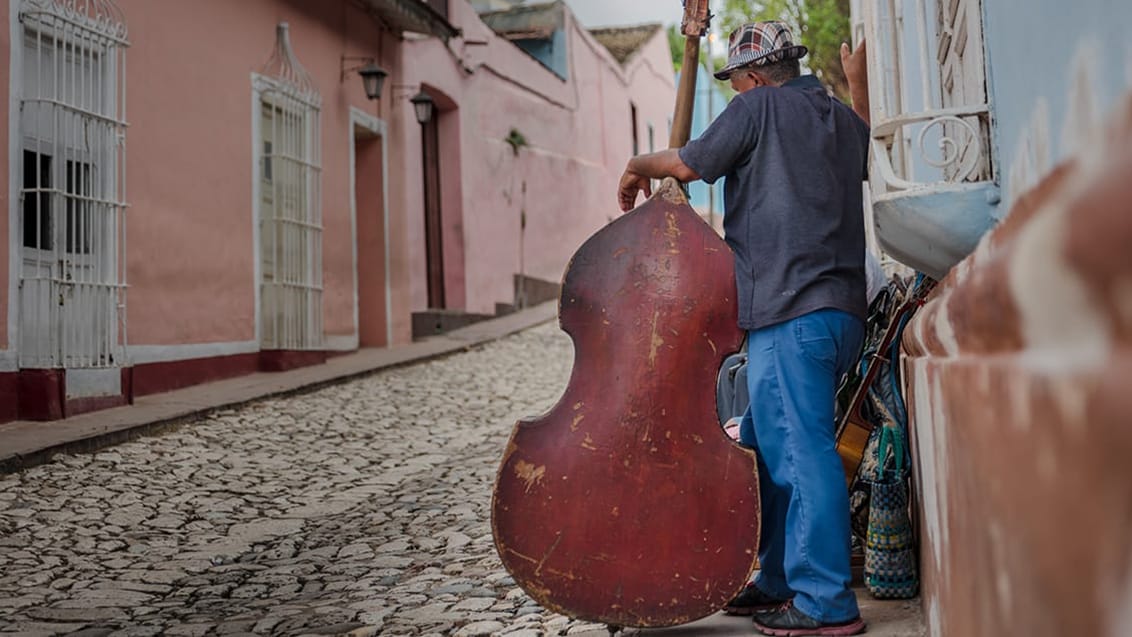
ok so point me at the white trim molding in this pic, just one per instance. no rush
(378, 127)
(291, 305)
(15, 149)
(259, 84)
(72, 126)
(143, 354)
(9, 361)
(341, 343)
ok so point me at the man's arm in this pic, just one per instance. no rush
(643, 168)
(856, 70)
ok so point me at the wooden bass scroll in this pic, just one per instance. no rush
(626, 504)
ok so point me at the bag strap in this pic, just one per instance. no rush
(892, 439)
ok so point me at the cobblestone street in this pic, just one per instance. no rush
(360, 509)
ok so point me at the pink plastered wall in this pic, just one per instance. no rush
(578, 138)
(191, 254)
(191, 259)
(5, 245)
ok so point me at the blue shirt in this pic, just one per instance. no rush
(794, 158)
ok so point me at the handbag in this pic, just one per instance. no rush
(890, 551)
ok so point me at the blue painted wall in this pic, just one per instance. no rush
(1031, 46)
(552, 52)
(710, 102)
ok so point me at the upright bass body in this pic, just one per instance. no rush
(626, 504)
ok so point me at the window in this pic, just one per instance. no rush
(931, 178)
(78, 194)
(962, 79)
(290, 219)
(80, 215)
(267, 153)
(931, 122)
(72, 195)
(36, 201)
(633, 124)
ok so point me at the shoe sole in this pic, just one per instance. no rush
(747, 611)
(852, 628)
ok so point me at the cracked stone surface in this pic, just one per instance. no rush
(359, 509)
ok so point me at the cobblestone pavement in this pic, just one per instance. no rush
(359, 509)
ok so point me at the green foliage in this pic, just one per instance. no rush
(676, 47)
(821, 25)
(516, 140)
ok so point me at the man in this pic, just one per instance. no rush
(794, 158)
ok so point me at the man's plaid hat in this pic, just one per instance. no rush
(760, 43)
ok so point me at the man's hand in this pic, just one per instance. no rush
(631, 184)
(642, 168)
(856, 68)
(855, 64)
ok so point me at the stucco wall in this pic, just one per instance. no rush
(1018, 374)
(1053, 70)
(7, 227)
(191, 258)
(578, 137)
(1016, 368)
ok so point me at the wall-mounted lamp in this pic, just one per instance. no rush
(373, 76)
(424, 106)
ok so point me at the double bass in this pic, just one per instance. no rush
(626, 504)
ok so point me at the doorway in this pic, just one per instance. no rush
(434, 228)
(372, 245)
(369, 206)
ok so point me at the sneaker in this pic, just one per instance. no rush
(752, 600)
(787, 621)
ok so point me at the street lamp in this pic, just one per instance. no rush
(373, 78)
(424, 107)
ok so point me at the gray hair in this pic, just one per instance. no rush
(780, 72)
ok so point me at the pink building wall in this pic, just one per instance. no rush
(578, 133)
(5, 288)
(192, 248)
(578, 136)
(192, 259)
(192, 252)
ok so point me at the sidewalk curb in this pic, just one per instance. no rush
(25, 444)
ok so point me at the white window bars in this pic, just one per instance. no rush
(290, 215)
(931, 120)
(72, 196)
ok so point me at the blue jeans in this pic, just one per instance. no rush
(793, 373)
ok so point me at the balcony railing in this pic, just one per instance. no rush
(932, 148)
(932, 163)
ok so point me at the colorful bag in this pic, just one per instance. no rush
(890, 550)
